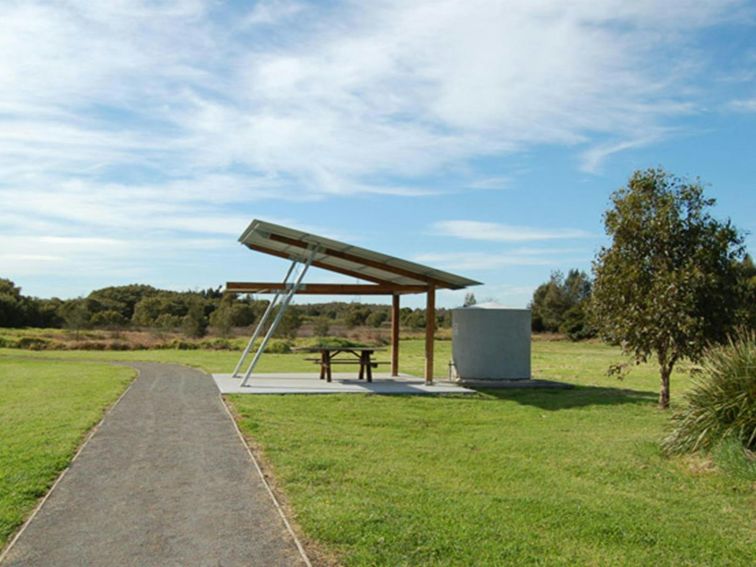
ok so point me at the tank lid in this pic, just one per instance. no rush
(488, 305)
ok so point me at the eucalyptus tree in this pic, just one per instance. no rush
(668, 285)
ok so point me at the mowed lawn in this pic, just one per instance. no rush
(46, 409)
(511, 477)
(569, 477)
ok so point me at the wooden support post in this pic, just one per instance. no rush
(395, 335)
(430, 328)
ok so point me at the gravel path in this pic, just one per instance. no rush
(164, 481)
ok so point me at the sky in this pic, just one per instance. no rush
(138, 139)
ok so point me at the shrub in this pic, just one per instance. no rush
(575, 323)
(179, 344)
(217, 344)
(721, 403)
(376, 318)
(278, 347)
(194, 323)
(321, 325)
(336, 342)
(33, 343)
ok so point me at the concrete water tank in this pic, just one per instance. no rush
(491, 342)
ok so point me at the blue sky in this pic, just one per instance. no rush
(138, 139)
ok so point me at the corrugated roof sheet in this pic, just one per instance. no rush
(345, 258)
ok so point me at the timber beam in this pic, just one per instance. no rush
(325, 288)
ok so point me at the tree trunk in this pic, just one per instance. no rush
(666, 364)
(664, 392)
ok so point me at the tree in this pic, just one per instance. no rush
(290, 322)
(75, 314)
(222, 318)
(356, 315)
(469, 299)
(668, 285)
(321, 326)
(11, 304)
(377, 318)
(194, 323)
(559, 305)
(748, 282)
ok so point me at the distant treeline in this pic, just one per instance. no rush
(192, 312)
(563, 304)
(560, 305)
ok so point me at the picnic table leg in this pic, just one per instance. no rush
(369, 367)
(362, 366)
(328, 366)
(322, 365)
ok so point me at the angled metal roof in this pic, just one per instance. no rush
(345, 258)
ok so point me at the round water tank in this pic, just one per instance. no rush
(491, 342)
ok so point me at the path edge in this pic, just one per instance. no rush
(62, 474)
(265, 482)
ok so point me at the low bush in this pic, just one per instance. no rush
(32, 343)
(279, 347)
(721, 403)
(217, 344)
(180, 344)
(335, 342)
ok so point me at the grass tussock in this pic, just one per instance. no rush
(721, 402)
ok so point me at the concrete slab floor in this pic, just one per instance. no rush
(343, 383)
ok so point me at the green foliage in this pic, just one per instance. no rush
(377, 318)
(222, 318)
(146, 311)
(194, 324)
(412, 318)
(167, 322)
(560, 305)
(11, 308)
(108, 318)
(576, 324)
(122, 299)
(747, 314)
(290, 322)
(721, 404)
(469, 299)
(321, 325)
(278, 347)
(244, 314)
(669, 284)
(75, 314)
(356, 315)
(336, 342)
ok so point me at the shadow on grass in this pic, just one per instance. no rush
(579, 396)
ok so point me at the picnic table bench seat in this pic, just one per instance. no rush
(362, 358)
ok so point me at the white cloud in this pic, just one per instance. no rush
(335, 100)
(271, 12)
(496, 232)
(165, 118)
(743, 105)
(480, 260)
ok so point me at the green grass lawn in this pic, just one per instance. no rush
(510, 477)
(46, 409)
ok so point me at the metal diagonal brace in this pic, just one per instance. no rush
(284, 304)
(261, 323)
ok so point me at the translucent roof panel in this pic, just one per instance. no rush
(345, 258)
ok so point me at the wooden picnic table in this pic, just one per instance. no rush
(329, 356)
